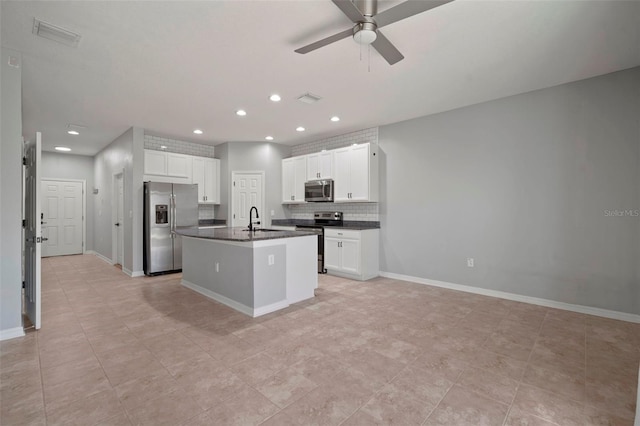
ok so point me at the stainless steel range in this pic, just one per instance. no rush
(321, 220)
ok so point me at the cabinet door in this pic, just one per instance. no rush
(313, 169)
(199, 177)
(342, 174)
(300, 177)
(359, 182)
(155, 162)
(325, 165)
(288, 179)
(179, 165)
(350, 256)
(212, 180)
(332, 253)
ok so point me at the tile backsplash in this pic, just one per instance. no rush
(361, 136)
(177, 146)
(352, 211)
(206, 211)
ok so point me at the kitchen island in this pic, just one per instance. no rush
(254, 272)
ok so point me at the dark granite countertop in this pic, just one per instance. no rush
(241, 234)
(347, 224)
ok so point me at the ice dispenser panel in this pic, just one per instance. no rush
(162, 213)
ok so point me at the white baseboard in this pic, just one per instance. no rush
(11, 333)
(622, 316)
(233, 304)
(99, 256)
(135, 274)
(219, 298)
(270, 308)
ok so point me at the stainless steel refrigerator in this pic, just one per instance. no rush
(168, 207)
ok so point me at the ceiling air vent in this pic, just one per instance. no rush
(309, 98)
(55, 33)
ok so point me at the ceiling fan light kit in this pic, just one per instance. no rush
(366, 31)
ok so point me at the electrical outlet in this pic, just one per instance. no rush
(272, 259)
(273, 213)
(470, 262)
(217, 267)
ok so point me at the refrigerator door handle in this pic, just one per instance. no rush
(173, 216)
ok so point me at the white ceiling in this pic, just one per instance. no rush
(171, 67)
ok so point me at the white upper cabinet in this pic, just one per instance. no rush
(160, 166)
(155, 162)
(206, 173)
(356, 173)
(179, 165)
(294, 175)
(320, 165)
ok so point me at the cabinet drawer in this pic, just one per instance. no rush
(342, 233)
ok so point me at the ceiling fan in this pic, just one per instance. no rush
(364, 14)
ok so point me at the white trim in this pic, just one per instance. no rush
(589, 310)
(11, 333)
(270, 308)
(100, 256)
(84, 206)
(116, 244)
(136, 274)
(233, 304)
(219, 298)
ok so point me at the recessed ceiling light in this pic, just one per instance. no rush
(335, 118)
(300, 129)
(62, 148)
(73, 132)
(163, 147)
(269, 138)
(275, 97)
(198, 132)
(241, 112)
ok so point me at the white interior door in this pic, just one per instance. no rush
(62, 217)
(120, 219)
(33, 234)
(248, 191)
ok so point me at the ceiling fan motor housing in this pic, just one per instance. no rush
(367, 7)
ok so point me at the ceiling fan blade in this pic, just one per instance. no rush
(331, 39)
(349, 9)
(405, 10)
(386, 49)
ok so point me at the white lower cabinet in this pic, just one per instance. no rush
(352, 253)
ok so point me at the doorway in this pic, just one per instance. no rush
(63, 213)
(247, 190)
(117, 215)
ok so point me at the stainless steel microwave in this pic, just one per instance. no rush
(318, 191)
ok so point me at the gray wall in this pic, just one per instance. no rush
(79, 167)
(11, 193)
(253, 156)
(521, 184)
(125, 153)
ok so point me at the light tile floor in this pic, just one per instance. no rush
(115, 350)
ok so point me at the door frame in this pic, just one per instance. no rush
(84, 206)
(114, 217)
(234, 175)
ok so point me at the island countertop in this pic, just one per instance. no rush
(241, 234)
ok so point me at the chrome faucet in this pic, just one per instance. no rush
(251, 218)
